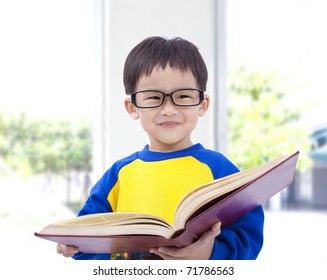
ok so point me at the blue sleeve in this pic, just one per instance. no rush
(241, 240)
(97, 201)
(84, 256)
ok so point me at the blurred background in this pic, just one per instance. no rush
(62, 120)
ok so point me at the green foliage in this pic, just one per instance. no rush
(264, 123)
(33, 146)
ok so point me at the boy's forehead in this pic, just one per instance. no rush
(167, 78)
(159, 70)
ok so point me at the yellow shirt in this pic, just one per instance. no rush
(156, 187)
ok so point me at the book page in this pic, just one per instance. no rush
(106, 218)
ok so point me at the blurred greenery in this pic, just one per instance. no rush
(51, 147)
(264, 122)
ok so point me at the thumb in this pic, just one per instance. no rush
(211, 233)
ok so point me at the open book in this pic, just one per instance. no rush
(226, 199)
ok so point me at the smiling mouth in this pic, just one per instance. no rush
(169, 124)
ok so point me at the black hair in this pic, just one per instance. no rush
(158, 52)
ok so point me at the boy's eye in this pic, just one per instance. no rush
(182, 96)
(153, 97)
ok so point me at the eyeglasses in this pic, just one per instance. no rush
(155, 98)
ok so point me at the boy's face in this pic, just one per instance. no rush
(169, 127)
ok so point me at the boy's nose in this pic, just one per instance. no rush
(168, 107)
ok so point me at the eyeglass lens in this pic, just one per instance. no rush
(184, 97)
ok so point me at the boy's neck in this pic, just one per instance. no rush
(165, 148)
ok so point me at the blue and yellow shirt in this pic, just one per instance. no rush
(154, 182)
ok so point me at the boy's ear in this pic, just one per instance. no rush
(204, 105)
(131, 109)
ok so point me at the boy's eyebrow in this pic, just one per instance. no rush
(170, 91)
(164, 91)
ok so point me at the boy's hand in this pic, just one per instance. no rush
(66, 251)
(199, 250)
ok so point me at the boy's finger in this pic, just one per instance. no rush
(216, 228)
(66, 250)
(211, 233)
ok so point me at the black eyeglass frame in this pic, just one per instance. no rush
(133, 97)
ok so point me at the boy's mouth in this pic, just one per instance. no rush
(169, 124)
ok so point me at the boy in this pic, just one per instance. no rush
(166, 80)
